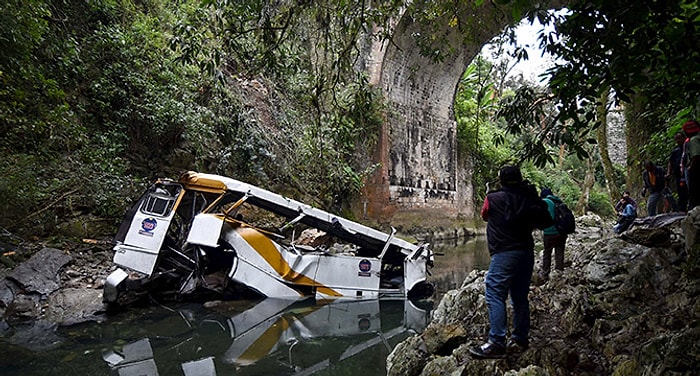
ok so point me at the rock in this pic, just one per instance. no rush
(443, 339)
(23, 308)
(691, 228)
(461, 304)
(441, 366)
(589, 221)
(670, 353)
(691, 231)
(7, 292)
(40, 272)
(37, 335)
(41, 289)
(71, 306)
(528, 371)
(409, 359)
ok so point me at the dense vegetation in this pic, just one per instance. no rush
(483, 92)
(99, 97)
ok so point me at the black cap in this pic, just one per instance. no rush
(510, 175)
(546, 192)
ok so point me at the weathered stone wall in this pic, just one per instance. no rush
(422, 165)
(422, 170)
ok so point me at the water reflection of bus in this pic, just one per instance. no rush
(274, 336)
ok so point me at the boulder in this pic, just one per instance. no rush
(71, 306)
(40, 273)
(34, 299)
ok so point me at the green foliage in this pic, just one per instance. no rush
(635, 48)
(432, 16)
(475, 104)
(523, 140)
(20, 187)
(98, 97)
(33, 112)
(332, 145)
(532, 117)
(24, 25)
(599, 203)
(309, 50)
(124, 88)
(528, 138)
(89, 93)
(564, 184)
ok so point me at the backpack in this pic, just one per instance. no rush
(564, 220)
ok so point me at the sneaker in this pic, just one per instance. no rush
(514, 345)
(488, 350)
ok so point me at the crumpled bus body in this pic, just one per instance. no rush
(192, 235)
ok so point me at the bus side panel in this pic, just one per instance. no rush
(147, 231)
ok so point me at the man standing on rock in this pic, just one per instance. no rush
(654, 182)
(512, 213)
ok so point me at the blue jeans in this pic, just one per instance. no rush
(653, 203)
(623, 224)
(509, 272)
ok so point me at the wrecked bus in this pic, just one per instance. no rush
(209, 233)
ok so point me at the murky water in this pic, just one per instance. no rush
(458, 259)
(269, 337)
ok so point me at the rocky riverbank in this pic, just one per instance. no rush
(42, 288)
(623, 306)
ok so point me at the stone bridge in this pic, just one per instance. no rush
(421, 174)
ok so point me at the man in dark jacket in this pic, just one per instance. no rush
(654, 182)
(512, 213)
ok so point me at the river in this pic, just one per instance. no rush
(268, 337)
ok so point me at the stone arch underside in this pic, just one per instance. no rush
(421, 173)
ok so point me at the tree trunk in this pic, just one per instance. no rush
(587, 186)
(637, 133)
(602, 138)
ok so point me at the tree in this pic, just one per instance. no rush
(602, 138)
(475, 105)
(641, 50)
(308, 55)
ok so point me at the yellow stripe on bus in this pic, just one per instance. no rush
(271, 336)
(264, 343)
(266, 248)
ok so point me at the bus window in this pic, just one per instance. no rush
(159, 202)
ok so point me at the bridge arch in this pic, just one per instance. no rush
(421, 173)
